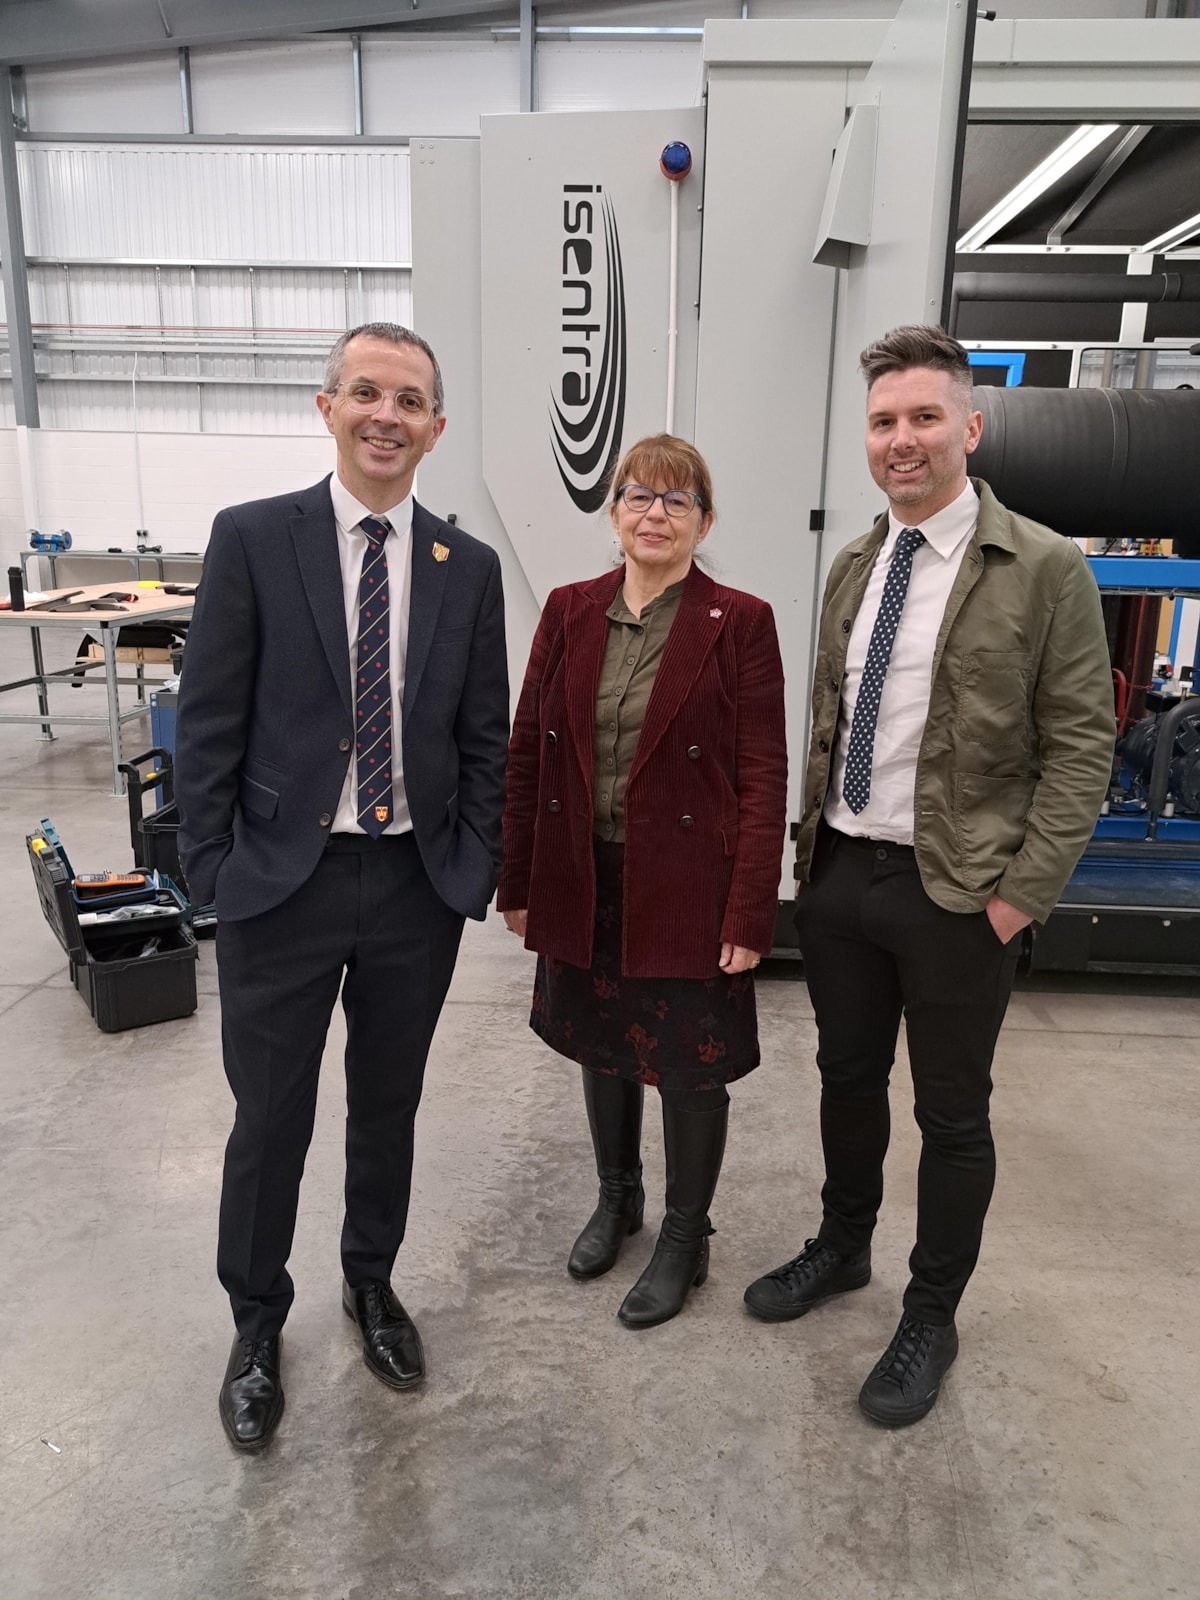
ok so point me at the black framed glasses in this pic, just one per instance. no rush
(676, 502)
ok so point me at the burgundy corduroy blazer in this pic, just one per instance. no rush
(706, 801)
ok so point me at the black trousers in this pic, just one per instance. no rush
(876, 947)
(369, 922)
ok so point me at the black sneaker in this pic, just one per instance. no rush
(817, 1274)
(904, 1383)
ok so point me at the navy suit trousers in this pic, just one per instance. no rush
(369, 923)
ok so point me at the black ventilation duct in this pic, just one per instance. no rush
(1096, 463)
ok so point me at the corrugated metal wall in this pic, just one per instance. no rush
(224, 272)
(216, 203)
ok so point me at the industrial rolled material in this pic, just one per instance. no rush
(1096, 463)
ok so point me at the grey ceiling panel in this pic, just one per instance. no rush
(35, 31)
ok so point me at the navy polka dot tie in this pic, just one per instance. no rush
(856, 781)
(373, 683)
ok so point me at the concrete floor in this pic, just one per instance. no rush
(552, 1453)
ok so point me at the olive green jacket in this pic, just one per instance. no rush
(1016, 756)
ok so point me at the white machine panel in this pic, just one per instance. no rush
(576, 283)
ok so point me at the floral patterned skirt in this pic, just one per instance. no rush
(680, 1033)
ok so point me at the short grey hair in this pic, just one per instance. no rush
(390, 333)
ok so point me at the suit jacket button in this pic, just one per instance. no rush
(324, 819)
(343, 744)
(822, 745)
(693, 752)
(554, 805)
(846, 625)
(833, 683)
(685, 822)
(551, 736)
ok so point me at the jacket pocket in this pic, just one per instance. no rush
(256, 797)
(990, 815)
(993, 699)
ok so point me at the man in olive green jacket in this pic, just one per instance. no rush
(961, 749)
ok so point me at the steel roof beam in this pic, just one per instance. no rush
(1112, 165)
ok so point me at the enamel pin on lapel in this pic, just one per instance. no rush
(715, 612)
(440, 552)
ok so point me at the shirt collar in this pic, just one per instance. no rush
(349, 512)
(947, 528)
(618, 611)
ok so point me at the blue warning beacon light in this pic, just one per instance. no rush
(676, 161)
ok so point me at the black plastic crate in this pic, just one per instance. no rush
(154, 836)
(123, 988)
(137, 990)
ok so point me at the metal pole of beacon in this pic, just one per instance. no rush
(675, 163)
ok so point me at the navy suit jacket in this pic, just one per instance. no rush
(265, 722)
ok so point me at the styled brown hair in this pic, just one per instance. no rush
(917, 345)
(665, 459)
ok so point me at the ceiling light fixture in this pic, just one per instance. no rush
(1173, 236)
(1034, 184)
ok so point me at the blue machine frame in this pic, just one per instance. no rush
(1134, 898)
(1012, 360)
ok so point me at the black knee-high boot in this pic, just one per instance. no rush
(694, 1139)
(614, 1108)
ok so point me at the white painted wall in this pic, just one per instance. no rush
(618, 75)
(12, 506)
(431, 88)
(86, 483)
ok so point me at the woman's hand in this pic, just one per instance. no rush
(735, 959)
(515, 922)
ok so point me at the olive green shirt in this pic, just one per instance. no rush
(632, 653)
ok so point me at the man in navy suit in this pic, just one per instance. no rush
(343, 720)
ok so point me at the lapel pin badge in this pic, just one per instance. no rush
(440, 552)
(715, 612)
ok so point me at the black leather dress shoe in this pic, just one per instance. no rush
(391, 1343)
(817, 1274)
(904, 1382)
(251, 1400)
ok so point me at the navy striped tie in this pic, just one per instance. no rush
(373, 683)
(860, 752)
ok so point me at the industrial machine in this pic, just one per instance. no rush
(1104, 464)
(730, 305)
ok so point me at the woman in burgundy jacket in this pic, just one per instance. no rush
(643, 835)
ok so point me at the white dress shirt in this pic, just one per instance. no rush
(904, 703)
(352, 547)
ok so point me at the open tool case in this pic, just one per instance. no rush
(134, 963)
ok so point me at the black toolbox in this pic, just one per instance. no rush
(133, 965)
